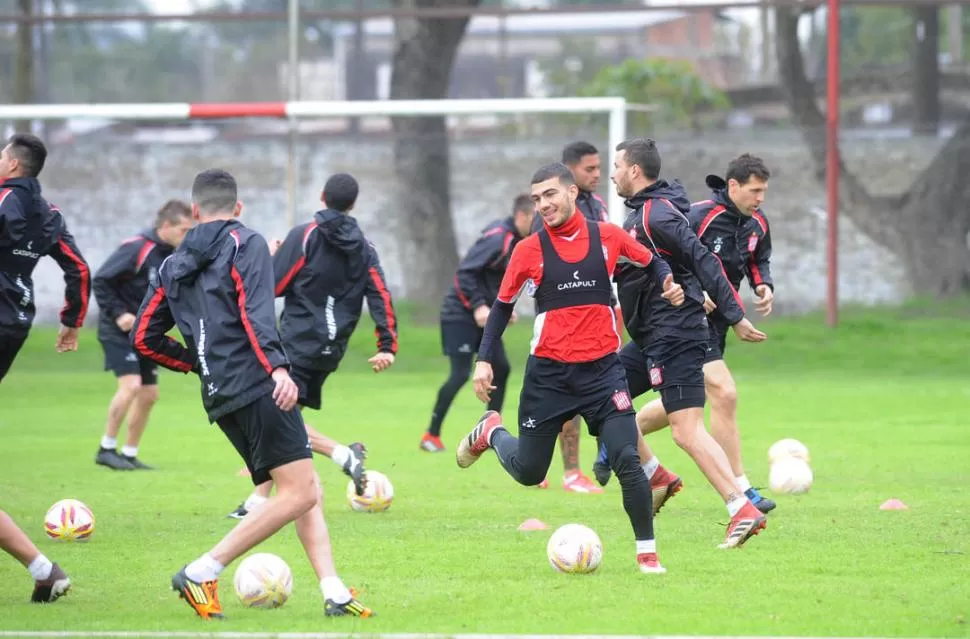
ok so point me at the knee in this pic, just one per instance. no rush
(129, 386)
(625, 463)
(724, 394)
(457, 378)
(531, 476)
(685, 436)
(310, 494)
(148, 394)
(500, 372)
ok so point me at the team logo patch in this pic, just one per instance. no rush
(656, 376)
(621, 399)
(752, 243)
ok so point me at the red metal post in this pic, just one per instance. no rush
(832, 162)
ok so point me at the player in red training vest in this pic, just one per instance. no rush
(573, 368)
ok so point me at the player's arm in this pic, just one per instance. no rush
(77, 278)
(523, 266)
(483, 252)
(12, 222)
(122, 263)
(759, 264)
(630, 250)
(252, 275)
(380, 305)
(288, 261)
(149, 339)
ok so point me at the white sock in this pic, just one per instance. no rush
(129, 451)
(492, 434)
(109, 443)
(651, 466)
(341, 455)
(40, 568)
(736, 504)
(335, 590)
(253, 502)
(646, 545)
(205, 568)
(743, 483)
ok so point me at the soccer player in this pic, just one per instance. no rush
(30, 228)
(217, 287)
(669, 344)
(465, 310)
(50, 580)
(573, 367)
(732, 226)
(325, 269)
(119, 288)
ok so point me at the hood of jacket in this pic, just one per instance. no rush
(198, 250)
(674, 192)
(343, 233)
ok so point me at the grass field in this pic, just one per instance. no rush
(882, 405)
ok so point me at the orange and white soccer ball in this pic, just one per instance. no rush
(575, 548)
(378, 494)
(263, 580)
(69, 520)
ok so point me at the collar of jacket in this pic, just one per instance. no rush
(27, 183)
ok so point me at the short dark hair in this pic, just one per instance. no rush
(573, 152)
(340, 192)
(522, 202)
(746, 166)
(172, 212)
(30, 151)
(214, 190)
(642, 152)
(556, 170)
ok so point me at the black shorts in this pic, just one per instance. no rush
(9, 347)
(718, 330)
(122, 359)
(674, 369)
(459, 338)
(266, 437)
(310, 382)
(555, 392)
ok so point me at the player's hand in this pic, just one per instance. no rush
(514, 318)
(66, 339)
(709, 304)
(286, 393)
(125, 321)
(766, 297)
(483, 381)
(673, 292)
(381, 361)
(275, 246)
(746, 331)
(481, 315)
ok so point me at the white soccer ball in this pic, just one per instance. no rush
(263, 580)
(575, 548)
(788, 448)
(791, 475)
(69, 520)
(378, 494)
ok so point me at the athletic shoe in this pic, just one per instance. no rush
(763, 504)
(577, 482)
(663, 485)
(111, 459)
(543, 484)
(649, 563)
(601, 467)
(352, 608)
(748, 522)
(202, 597)
(431, 443)
(239, 513)
(354, 466)
(471, 447)
(136, 463)
(50, 589)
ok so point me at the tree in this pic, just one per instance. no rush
(425, 51)
(927, 225)
(24, 73)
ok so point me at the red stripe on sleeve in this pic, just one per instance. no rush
(300, 263)
(461, 296)
(142, 328)
(717, 210)
(241, 301)
(143, 254)
(85, 274)
(388, 309)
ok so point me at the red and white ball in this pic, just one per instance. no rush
(378, 494)
(69, 520)
(575, 548)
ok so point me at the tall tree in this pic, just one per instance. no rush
(425, 51)
(24, 71)
(926, 70)
(927, 225)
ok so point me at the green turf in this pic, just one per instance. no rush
(882, 405)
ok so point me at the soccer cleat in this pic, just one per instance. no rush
(136, 463)
(471, 447)
(747, 523)
(203, 597)
(50, 589)
(649, 563)
(763, 504)
(352, 608)
(543, 484)
(239, 513)
(111, 459)
(431, 443)
(354, 467)
(663, 485)
(601, 467)
(577, 482)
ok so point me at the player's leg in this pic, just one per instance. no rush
(573, 479)
(9, 347)
(459, 343)
(129, 384)
(139, 412)
(50, 581)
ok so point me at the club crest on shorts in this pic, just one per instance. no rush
(621, 399)
(656, 376)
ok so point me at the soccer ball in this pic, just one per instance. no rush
(378, 494)
(263, 580)
(790, 475)
(788, 448)
(69, 520)
(574, 548)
